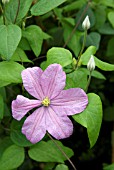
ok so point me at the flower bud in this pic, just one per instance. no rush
(91, 63)
(5, 1)
(74, 61)
(86, 23)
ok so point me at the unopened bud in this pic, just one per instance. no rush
(74, 61)
(86, 23)
(91, 63)
(5, 1)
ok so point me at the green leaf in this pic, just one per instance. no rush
(3, 93)
(106, 29)
(61, 167)
(77, 78)
(109, 167)
(10, 72)
(4, 144)
(44, 6)
(59, 55)
(95, 73)
(12, 158)
(74, 5)
(1, 107)
(34, 36)
(87, 54)
(16, 10)
(103, 65)
(20, 55)
(111, 18)
(9, 39)
(91, 117)
(93, 39)
(16, 135)
(24, 44)
(43, 65)
(100, 15)
(48, 152)
(108, 3)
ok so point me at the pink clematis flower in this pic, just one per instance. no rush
(53, 104)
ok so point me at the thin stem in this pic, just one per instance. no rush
(73, 31)
(88, 83)
(83, 46)
(17, 11)
(61, 151)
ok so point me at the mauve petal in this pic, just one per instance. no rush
(70, 101)
(31, 81)
(53, 80)
(34, 127)
(22, 105)
(58, 127)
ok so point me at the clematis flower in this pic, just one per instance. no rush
(53, 104)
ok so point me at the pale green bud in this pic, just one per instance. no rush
(86, 23)
(5, 1)
(91, 63)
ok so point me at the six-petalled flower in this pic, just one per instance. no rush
(53, 104)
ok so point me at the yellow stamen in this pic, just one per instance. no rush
(46, 101)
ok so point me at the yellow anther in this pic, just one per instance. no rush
(46, 101)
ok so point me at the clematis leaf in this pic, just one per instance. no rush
(103, 65)
(87, 54)
(106, 29)
(74, 5)
(19, 55)
(95, 73)
(10, 72)
(34, 35)
(16, 135)
(61, 167)
(10, 37)
(12, 157)
(59, 55)
(4, 144)
(44, 6)
(48, 152)
(77, 78)
(12, 8)
(111, 18)
(109, 167)
(91, 117)
(93, 39)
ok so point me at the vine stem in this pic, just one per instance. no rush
(73, 31)
(83, 45)
(62, 151)
(17, 11)
(88, 83)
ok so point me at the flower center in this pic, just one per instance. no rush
(46, 101)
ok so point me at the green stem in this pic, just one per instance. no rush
(88, 83)
(83, 46)
(61, 151)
